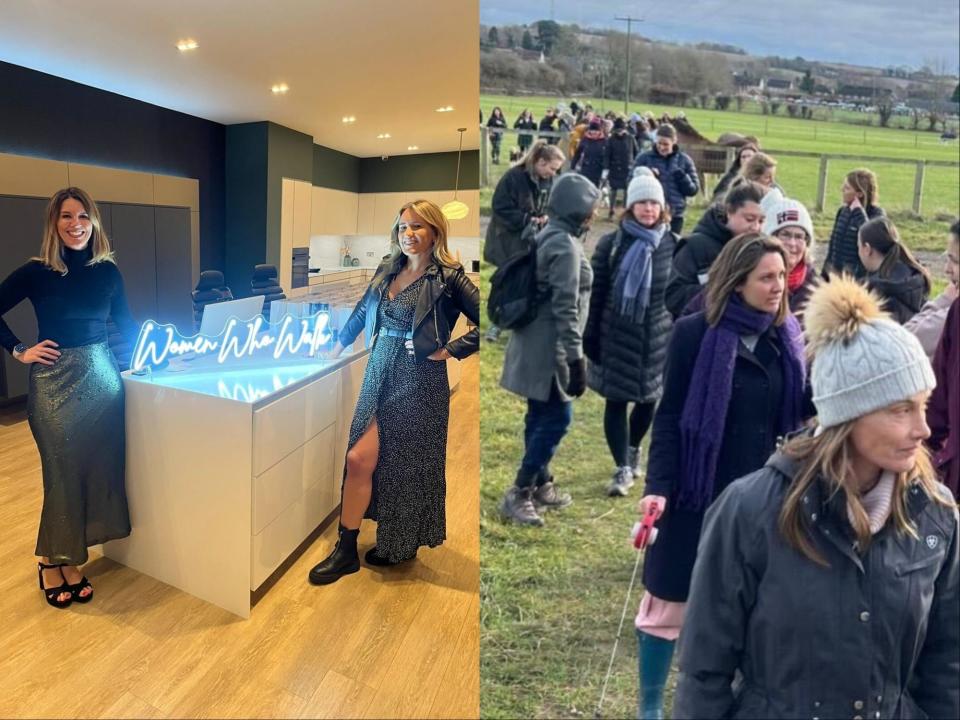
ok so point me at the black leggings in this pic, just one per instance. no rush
(615, 427)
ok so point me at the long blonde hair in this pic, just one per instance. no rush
(432, 215)
(51, 247)
(828, 456)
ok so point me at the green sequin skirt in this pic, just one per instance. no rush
(75, 410)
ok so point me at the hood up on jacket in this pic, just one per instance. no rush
(571, 202)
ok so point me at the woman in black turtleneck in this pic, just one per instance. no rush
(75, 405)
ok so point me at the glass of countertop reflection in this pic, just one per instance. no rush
(243, 384)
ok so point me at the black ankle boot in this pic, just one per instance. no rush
(342, 561)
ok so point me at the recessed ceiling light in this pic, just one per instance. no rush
(445, 108)
(383, 136)
(279, 89)
(188, 44)
(347, 119)
(412, 147)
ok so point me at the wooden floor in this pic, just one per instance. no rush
(377, 644)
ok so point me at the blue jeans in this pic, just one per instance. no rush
(545, 425)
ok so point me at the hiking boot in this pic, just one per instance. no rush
(517, 506)
(633, 460)
(621, 483)
(547, 497)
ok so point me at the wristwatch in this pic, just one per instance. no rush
(19, 349)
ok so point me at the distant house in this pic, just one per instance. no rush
(776, 84)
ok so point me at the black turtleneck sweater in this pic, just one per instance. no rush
(72, 309)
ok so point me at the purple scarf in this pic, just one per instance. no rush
(705, 410)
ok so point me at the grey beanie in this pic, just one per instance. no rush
(862, 360)
(644, 186)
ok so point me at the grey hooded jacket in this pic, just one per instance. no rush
(539, 352)
(874, 635)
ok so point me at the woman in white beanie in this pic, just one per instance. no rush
(628, 325)
(789, 222)
(827, 582)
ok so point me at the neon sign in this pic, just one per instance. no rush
(253, 340)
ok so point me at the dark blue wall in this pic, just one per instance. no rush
(45, 116)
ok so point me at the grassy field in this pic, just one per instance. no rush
(798, 176)
(551, 597)
(774, 131)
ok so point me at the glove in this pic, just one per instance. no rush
(577, 385)
(605, 174)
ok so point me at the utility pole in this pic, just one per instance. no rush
(629, 20)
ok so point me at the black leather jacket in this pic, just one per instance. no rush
(446, 293)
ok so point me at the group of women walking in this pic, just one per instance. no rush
(807, 556)
(76, 404)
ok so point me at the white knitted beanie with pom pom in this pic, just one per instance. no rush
(862, 360)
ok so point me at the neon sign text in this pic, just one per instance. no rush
(254, 339)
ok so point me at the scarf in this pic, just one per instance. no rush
(705, 410)
(635, 275)
(796, 277)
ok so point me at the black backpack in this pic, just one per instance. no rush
(513, 291)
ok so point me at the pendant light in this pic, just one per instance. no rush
(456, 210)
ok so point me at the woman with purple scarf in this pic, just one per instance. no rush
(733, 385)
(629, 325)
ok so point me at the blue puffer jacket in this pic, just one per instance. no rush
(676, 173)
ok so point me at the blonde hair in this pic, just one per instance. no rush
(739, 257)
(541, 150)
(757, 166)
(433, 216)
(829, 456)
(51, 246)
(864, 182)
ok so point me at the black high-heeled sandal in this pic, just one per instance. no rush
(77, 588)
(51, 594)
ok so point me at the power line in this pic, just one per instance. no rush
(629, 20)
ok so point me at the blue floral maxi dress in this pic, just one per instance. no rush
(411, 402)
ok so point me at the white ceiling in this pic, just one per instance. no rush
(389, 63)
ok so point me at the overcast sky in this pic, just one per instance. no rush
(867, 32)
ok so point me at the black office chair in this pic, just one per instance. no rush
(266, 282)
(210, 289)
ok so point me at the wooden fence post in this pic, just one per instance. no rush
(918, 186)
(822, 182)
(484, 172)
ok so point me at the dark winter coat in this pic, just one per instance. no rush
(695, 254)
(943, 412)
(676, 173)
(904, 291)
(588, 159)
(518, 198)
(446, 293)
(728, 177)
(627, 358)
(525, 140)
(874, 635)
(618, 155)
(749, 437)
(538, 354)
(842, 255)
(496, 125)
